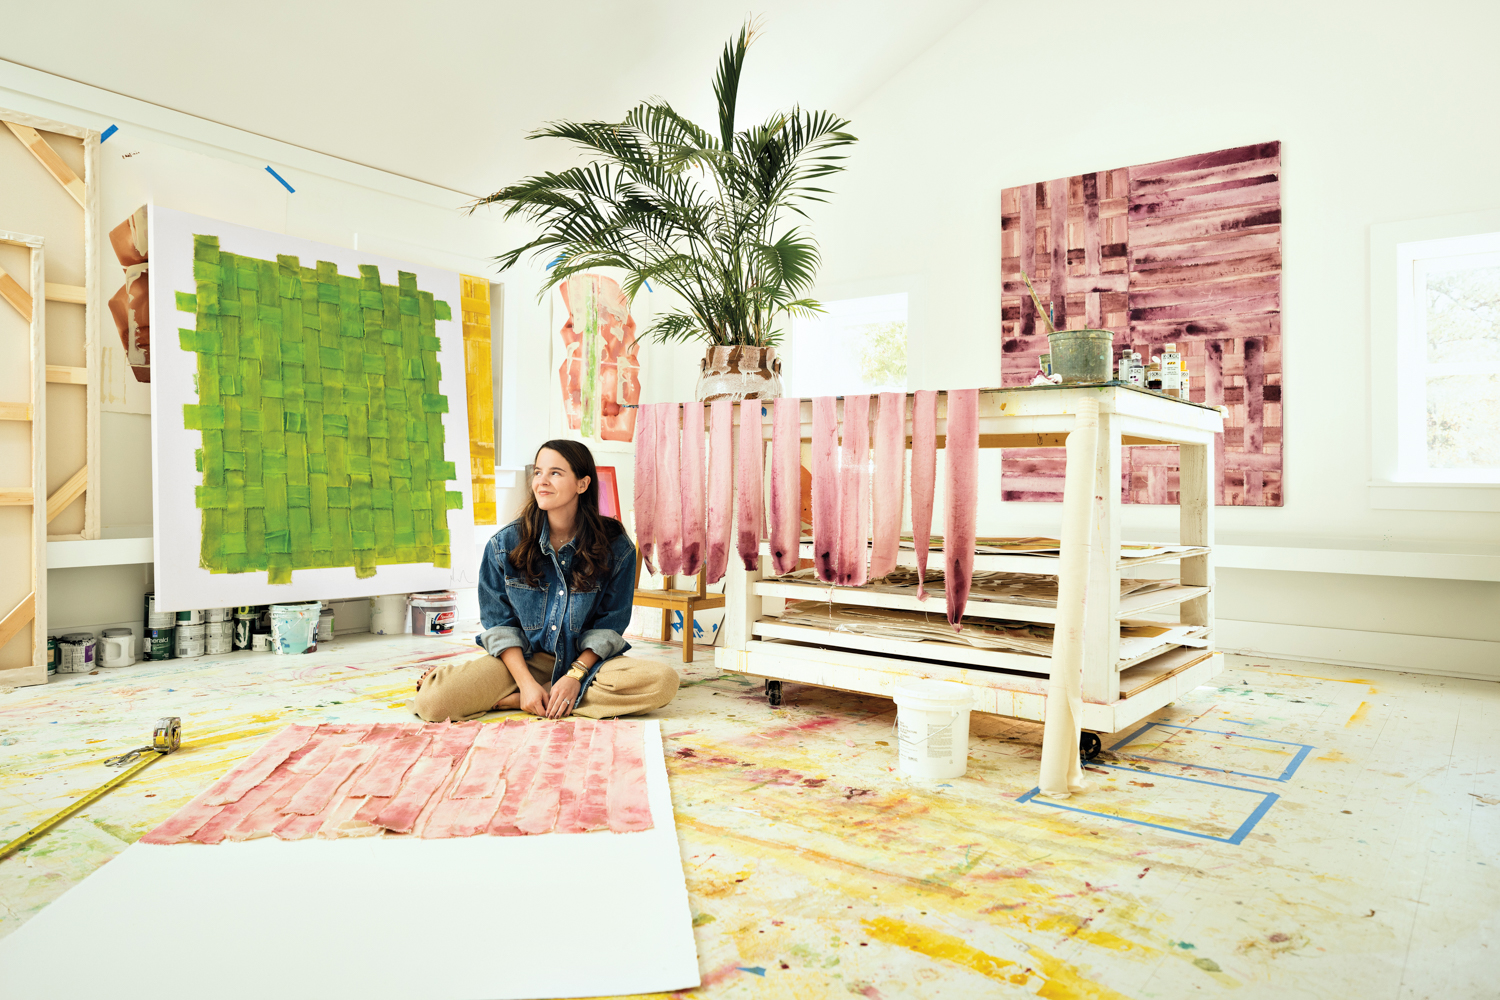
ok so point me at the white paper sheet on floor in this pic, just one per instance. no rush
(579, 915)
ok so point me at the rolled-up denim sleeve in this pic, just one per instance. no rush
(606, 636)
(502, 628)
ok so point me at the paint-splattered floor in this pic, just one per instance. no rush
(816, 870)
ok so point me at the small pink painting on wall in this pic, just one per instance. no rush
(600, 373)
(1184, 251)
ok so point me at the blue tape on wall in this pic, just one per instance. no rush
(104, 136)
(282, 180)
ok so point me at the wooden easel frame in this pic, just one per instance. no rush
(32, 610)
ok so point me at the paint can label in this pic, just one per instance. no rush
(156, 643)
(218, 642)
(435, 622)
(260, 642)
(242, 632)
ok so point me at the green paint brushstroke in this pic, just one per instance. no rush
(321, 417)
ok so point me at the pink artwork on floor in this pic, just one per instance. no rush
(1184, 251)
(435, 780)
(600, 374)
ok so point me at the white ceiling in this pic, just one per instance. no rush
(446, 91)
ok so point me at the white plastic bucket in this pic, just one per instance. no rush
(117, 648)
(388, 614)
(294, 628)
(932, 728)
(433, 613)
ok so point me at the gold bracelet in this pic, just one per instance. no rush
(578, 671)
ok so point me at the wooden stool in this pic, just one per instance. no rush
(686, 601)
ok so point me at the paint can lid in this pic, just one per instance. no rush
(78, 637)
(431, 597)
(116, 632)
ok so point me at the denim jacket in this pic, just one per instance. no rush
(516, 613)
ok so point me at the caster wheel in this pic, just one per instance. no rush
(773, 693)
(1089, 745)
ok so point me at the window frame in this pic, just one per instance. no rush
(1398, 365)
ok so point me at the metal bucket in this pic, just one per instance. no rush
(1081, 355)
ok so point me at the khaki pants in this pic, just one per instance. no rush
(624, 686)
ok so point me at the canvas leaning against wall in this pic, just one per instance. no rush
(1184, 251)
(309, 420)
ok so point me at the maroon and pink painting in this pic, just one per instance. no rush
(1184, 251)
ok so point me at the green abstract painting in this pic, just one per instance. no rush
(320, 415)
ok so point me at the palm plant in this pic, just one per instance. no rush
(698, 212)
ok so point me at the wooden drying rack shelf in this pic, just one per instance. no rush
(1117, 691)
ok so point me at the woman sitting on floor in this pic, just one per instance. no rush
(555, 588)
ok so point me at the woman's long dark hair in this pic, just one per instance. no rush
(593, 532)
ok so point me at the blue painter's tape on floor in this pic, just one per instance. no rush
(1268, 799)
(1303, 749)
(104, 136)
(282, 180)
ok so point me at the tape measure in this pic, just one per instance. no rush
(165, 738)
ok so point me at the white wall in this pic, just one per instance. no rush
(1384, 112)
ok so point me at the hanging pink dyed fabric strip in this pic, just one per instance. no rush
(692, 488)
(890, 477)
(854, 492)
(668, 490)
(786, 485)
(923, 478)
(751, 488)
(825, 488)
(720, 486)
(645, 484)
(961, 456)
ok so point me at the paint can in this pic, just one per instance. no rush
(218, 614)
(158, 643)
(932, 728)
(218, 637)
(51, 655)
(75, 653)
(433, 612)
(260, 642)
(325, 625)
(388, 614)
(294, 628)
(190, 641)
(117, 647)
(157, 619)
(244, 628)
(190, 618)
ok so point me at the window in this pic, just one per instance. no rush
(1448, 366)
(1435, 363)
(855, 345)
